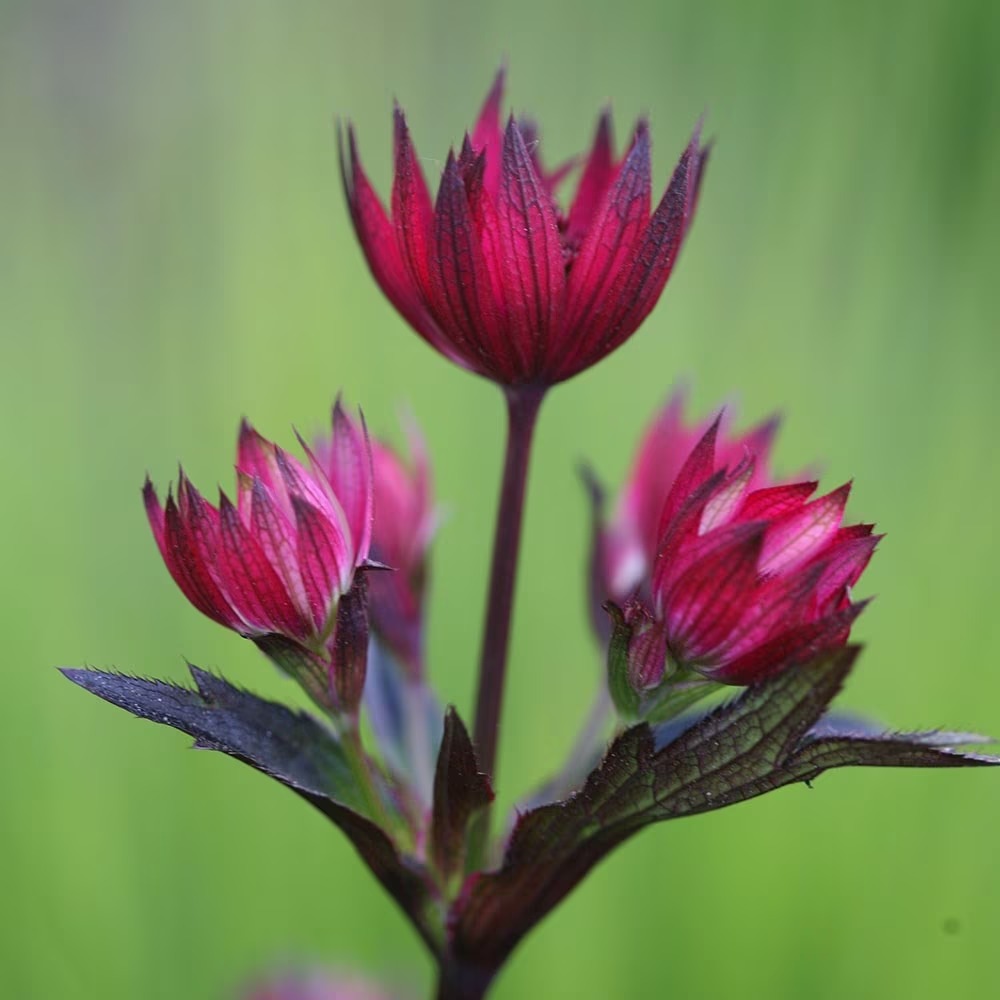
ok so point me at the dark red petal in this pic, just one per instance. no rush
(487, 136)
(350, 473)
(798, 535)
(608, 249)
(595, 181)
(188, 568)
(697, 469)
(780, 603)
(536, 278)
(482, 209)
(412, 211)
(251, 581)
(774, 501)
(256, 458)
(723, 503)
(154, 512)
(278, 539)
(709, 600)
(323, 558)
(377, 237)
(844, 560)
(639, 287)
(790, 649)
(461, 286)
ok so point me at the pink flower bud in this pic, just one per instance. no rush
(275, 565)
(736, 578)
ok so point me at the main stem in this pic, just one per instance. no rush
(523, 403)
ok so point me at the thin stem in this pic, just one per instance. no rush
(522, 410)
(459, 982)
(364, 780)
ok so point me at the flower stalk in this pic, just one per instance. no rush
(523, 403)
(457, 981)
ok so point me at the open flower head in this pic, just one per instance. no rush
(275, 565)
(731, 576)
(495, 273)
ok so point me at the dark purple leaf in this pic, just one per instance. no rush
(460, 791)
(752, 745)
(293, 747)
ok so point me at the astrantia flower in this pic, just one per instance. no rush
(495, 274)
(276, 565)
(734, 578)
(405, 520)
(627, 545)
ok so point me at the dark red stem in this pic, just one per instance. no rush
(523, 403)
(459, 982)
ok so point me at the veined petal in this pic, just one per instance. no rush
(168, 531)
(192, 573)
(256, 457)
(639, 286)
(278, 539)
(412, 211)
(788, 649)
(709, 599)
(607, 250)
(316, 489)
(775, 501)
(251, 581)
(532, 251)
(844, 561)
(510, 357)
(722, 504)
(324, 559)
(461, 287)
(350, 473)
(487, 135)
(776, 604)
(598, 174)
(661, 454)
(698, 468)
(377, 237)
(795, 537)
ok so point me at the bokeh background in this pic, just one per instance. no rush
(175, 253)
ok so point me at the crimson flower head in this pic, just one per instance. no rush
(404, 524)
(720, 571)
(280, 566)
(499, 277)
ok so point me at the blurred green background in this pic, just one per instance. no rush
(175, 253)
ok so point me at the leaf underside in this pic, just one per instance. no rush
(292, 747)
(759, 742)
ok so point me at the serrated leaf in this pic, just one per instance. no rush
(290, 746)
(754, 744)
(460, 791)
